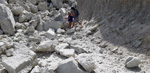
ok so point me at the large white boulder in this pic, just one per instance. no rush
(57, 3)
(62, 11)
(50, 34)
(132, 62)
(22, 61)
(42, 6)
(52, 24)
(17, 10)
(86, 61)
(7, 21)
(60, 31)
(45, 46)
(69, 66)
(67, 52)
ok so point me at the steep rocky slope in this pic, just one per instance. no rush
(112, 39)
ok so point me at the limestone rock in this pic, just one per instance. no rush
(132, 62)
(33, 1)
(52, 24)
(21, 62)
(59, 17)
(57, 3)
(60, 31)
(69, 31)
(63, 11)
(36, 69)
(17, 10)
(42, 6)
(86, 62)
(33, 8)
(69, 65)
(45, 46)
(39, 27)
(9, 52)
(50, 34)
(30, 30)
(3, 2)
(67, 52)
(61, 46)
(7, 21)
(22, 18)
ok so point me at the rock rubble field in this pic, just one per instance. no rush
(34, 38)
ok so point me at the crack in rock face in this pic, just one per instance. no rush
(111, 36)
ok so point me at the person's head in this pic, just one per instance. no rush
(69, 13)
(72, 8)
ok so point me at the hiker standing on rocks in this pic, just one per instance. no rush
(75, 15)
(70, 19)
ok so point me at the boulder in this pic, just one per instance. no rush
(60, 31)
(45, 46)
(2, 47)
(52, 24)
(42, 6)
(22, 18)
(30, 30)
(57, 3)
(61, 46)
(7, 21)
(3, 2)
(36, 69)
(17, 10)
(22, 61)
(28, 15)
(33, 8)
(39, 27)
(132, 62)
(50, 34)
(20, 26)
(62, 11)
(26, 7)
(33, 1)
(33, 23)
(67, 52)
(86, 62)
(69, 65)
(59, 17)
(69, 31)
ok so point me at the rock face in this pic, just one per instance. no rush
(7, 22)
(22, 61)
(67, 66)
(132, 62)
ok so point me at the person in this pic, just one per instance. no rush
(70, 20)
(75, 15)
